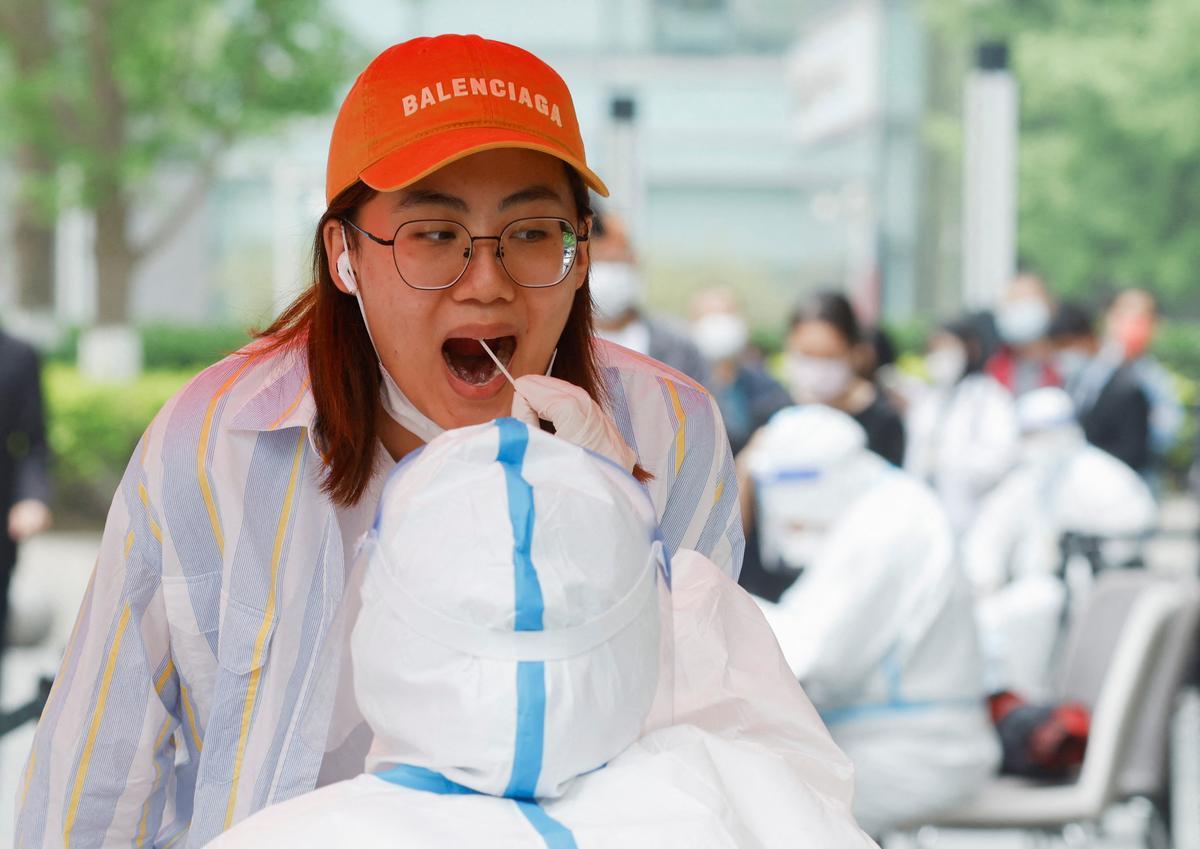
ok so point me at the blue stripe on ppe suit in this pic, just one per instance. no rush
(531, 675)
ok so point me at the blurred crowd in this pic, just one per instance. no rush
(920, 533)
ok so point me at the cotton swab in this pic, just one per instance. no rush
(500, 366)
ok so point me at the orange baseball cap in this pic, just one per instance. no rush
(427, 102)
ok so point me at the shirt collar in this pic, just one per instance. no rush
(285, 398)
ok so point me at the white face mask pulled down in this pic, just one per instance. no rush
(396, 403)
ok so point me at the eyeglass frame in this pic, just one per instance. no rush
(391, 243)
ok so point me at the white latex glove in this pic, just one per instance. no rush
(575, 416)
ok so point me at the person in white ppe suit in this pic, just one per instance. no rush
(1012, 553)
(962, 430)
(537, 673)
(879, 627)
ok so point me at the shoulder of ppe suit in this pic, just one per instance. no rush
(691, 570)
(632, 366)
(898, 506)
(1105, 495)
(311, 819)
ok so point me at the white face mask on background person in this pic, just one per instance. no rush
(819, 379)
(1023, 321)
(616, 288)
(720, 336)
(946, 366)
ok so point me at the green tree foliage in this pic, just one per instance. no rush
(1110, 137)
(108, 91)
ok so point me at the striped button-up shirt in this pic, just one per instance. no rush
(192, 668)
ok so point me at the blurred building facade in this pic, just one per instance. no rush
(771, 145)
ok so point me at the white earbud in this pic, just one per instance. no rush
(345, 271)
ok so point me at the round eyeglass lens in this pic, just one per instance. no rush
(431, 254)
(538, 252)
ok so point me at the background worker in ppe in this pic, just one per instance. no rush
(879, 627)
(457, 213)
(962, 429)
(1013, 551)
(544, 677)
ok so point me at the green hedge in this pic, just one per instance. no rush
(168, 346)
(93, 429)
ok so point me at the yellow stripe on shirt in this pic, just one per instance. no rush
(158, 741)
(260, 641)
(166, 674)
(202, 451)
(681, 426)
(154, 528)
(291, 407)
(94, 729)
(191, 716)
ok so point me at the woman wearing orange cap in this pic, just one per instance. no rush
(457, 218)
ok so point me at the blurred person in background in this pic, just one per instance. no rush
(879, 626)
(1130, 324)
(746, 394)
(1013, 552)
(24, 476)
(618, 290)
(962, 431)
(823, 356)
(880, 365)
(1110, 403)
(1023, 316)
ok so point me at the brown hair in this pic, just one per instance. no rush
(343, 367)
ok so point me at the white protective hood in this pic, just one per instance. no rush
(809, 463)
(486, 668)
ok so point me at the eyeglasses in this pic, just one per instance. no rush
(434, 254)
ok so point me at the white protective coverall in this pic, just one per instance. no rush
(962, 439)
(879, 626)
(537, 674)
(1012, 552)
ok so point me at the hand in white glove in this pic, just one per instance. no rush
(575, 416)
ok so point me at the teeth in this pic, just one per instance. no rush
(467, 360)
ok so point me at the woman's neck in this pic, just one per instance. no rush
(857, 398)
(398, 441)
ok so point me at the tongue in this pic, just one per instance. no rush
(468, 361)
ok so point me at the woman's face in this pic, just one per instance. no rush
(819, 363)
(428, 340)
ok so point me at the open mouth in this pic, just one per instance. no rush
(467, 360)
